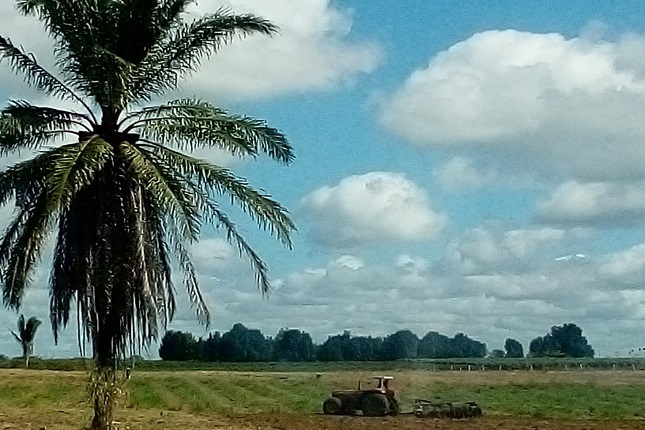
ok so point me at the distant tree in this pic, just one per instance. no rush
(435, 345)
(465, 347)
(360, 348)
(332, 349)
(545, 346)
(241, 344)
(572, 342)
(344, 347)
(26, 334)
(563, 341)
(178, 346)
(399, 345)
(513, 348)
(497, 353)
(212, 347)
(293, 345)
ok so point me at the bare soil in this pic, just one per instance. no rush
(77, 419)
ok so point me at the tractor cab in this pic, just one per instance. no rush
(382, 384)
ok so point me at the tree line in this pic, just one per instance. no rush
(242, 344)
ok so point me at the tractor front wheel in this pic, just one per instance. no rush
(395, 409)
(332, 406)
(375, 405)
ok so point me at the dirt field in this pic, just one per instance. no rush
(63, 420)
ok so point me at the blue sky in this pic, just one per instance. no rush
(473, 169)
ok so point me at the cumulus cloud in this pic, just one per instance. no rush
(314, 51)
(367, 294)
(461, 174)
(372, 207)
(489, 250)
(626, 267)
(490, 306)
(573, 106)
(606, 203)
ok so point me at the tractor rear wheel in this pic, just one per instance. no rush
(332, 406)
(375, 405)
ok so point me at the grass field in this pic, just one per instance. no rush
(154, 399)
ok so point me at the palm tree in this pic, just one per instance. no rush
(26, 334)
(121, 195)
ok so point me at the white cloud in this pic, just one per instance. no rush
(372, 207)
(367, 295)
(489, 250)
(625, 267)
(574, 106)
(460, 173)
(607, 203)
(314, 51)
(368, 300)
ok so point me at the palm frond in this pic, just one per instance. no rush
(72, 258)
(172, 209)
(86, 46)
(30, 329)
(21, 247)
(190, 124)
(26, 126)
(185, 47)
(64, 171)
(16, 180)
(36, 75)
(74, 167)
(220, 219)
(173, 199)
(217, 181)
(168, 13)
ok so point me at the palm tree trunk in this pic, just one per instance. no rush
(25, 354)
(103, 400)
(104, 392)
(104, 379)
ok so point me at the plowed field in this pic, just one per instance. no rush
(271, 401)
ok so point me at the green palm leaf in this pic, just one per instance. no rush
(185, 46)
(189, 124)
(36, 75)
(218, 181)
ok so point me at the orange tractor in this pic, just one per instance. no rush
(373, 402)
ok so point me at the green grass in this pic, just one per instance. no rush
(570, 400)
(549, 395)
(571, 364)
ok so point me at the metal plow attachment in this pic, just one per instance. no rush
(435, 409)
